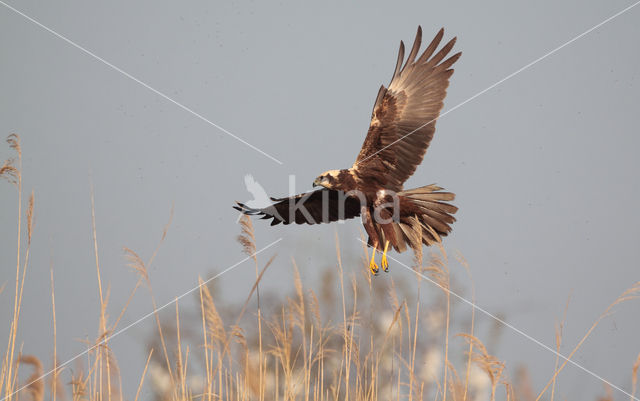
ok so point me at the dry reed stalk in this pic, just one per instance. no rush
(29, 215)
(55, 378)
(57, 387)
(634, 377)
(413, 354)
(102, 319)
(248, 241)
(78, 386)
(455, 384)
(136, 263)
(247, 237)
(95, 250)
(113, 368)
(346, 360)
(126, 305)
(524, 386)
(323, 338)
(144, 373)
(354, 349)
(186, 389)
(9, 172)
(510, 391)
(208, 373)
(13, 174)
(396, 319)
(608, 394)
(509, 388)
(165, 230)
(218, 337)
(34, 383)
(465, 265)
(397, 306)
(489, 363)
(179, 362)
(439, 272)
(254, 288)
(299, 320)
(559, 327)
(630, 294)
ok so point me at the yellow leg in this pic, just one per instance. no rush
(373, 267)
(384, 262)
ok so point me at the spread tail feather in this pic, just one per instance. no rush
(425, 217)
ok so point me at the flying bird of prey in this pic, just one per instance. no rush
(402, 126)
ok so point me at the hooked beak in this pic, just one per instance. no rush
(317, 182)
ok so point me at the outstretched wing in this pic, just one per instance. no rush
(403, 117)
(321, 206)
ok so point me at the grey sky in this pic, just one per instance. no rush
(544, 166)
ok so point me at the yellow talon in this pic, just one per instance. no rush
(384, 262)
(373, 267)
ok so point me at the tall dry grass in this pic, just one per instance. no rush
(349, 337)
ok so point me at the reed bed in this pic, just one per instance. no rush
(351, 337)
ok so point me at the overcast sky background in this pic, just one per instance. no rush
(544, 166)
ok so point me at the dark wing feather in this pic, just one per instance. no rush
(321, 206)
(403, 117)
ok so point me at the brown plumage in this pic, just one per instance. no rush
(402, 126)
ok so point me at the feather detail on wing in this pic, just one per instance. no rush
(321, 206)
(404, 115)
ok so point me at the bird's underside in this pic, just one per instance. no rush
(402, 126)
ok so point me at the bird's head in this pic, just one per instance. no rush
(328, 179)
